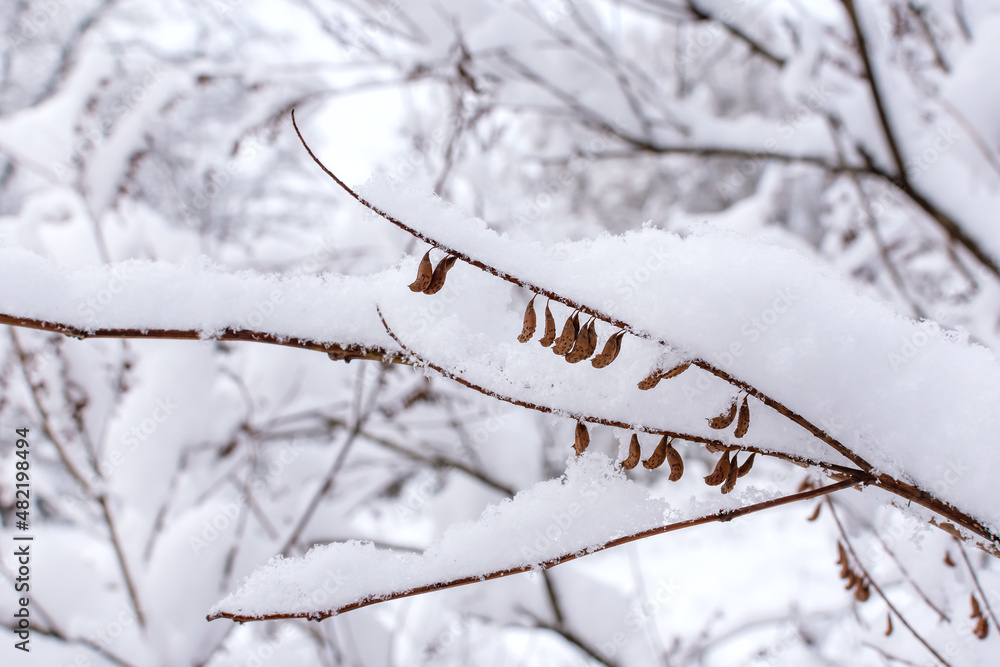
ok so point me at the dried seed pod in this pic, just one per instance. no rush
(676, 370)
(861, 593)
(982, 628)
(659, 454)
(582, 347)
(592, 336)
(947, 559)
(567, 338)
(721, 472)
(582, 438)
(528, 328)
(845, 570)
(651, 380)
(610, 351)
(976, 611)
(618, 345)
(675, 462)
(715, 448)
(852, 580)
(734, 473)
(634, 452)
(725, 419)
(744, 421)
(424, 273)
(658, 374)
(550, 328)
(746, 465)
(806, 484)
(841, 555)
(815, 514)
(440, 273)
(888, 624)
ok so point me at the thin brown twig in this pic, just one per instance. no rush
(570, 637)
(718, 372)
(122, 562)
(975, 579)
(882, 480)
(593, 419)
(900, 178)
(336, 351)
(896, 486)
(721, 516)
(941, 615)
(878, 589)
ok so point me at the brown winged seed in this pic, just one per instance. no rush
(734, 472)
(982, 628)
(634, 452)
(550, 328)
(528, 329)
(676, 463)
(744, 421)
(582, 438)
(718, 476)
(725, 419)
(746, 465)
(568, 336)
(654, 378)
(424, 273)
(582, 347)
(676, 370)
(440, 273)
(976, 611)
(651, 380)
(610, 351)
(658, 456)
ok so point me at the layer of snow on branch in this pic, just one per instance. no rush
(591, 505)
(195, 296)
(914, 401)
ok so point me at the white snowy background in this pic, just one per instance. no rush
(723, 176)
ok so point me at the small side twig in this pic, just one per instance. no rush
(722, 516)
(878, 589)
(975, 580)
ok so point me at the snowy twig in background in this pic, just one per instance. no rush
(593, 312)
(897, 486)
(257, 592)
(866, 580)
